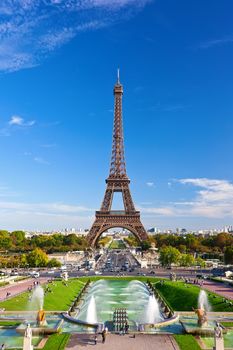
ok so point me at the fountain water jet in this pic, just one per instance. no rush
(38, 300)
(203, 302)
(91, 311)
(152, 313)
(203, 307)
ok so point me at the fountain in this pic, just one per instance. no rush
(41, 321)
(203, 302)
(38, 300)
(91, 311)
(203, 307)
(152, 314)
(134, 297)
(38, 322)
(201, 325)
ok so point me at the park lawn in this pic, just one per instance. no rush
(179, 296)
(227, 324)
(186, 342)
(183, 297)
(125, 278)
(117, 244)
(9, 323)
(60, 299)
(2, 284)
(57, 342)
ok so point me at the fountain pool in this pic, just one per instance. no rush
(104, 296)
(13, 339)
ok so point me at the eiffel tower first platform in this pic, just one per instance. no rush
(117, 181)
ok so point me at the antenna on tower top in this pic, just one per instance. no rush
(118, 76)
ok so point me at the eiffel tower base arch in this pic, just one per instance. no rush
(106, 221)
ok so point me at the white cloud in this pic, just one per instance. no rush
(216, 42)
(32, 216)
(41, 160)
(43, 215)
(213, 199)
(19, 121)
(31, 29)
(163, 211)
(214, 190)
(48, 145)
(16, 120)
(150, 184)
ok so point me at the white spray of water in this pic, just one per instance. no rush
(38, 298)
(152, 313)
(91, 311)
(203, 302)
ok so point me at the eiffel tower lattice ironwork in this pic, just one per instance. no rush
(117, 181)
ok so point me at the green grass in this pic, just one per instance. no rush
(9, 323)
(179, 296)
(3, 284)
(59, 299)
(182, 297)
(227, 324)
(117, 244)
(186, 342)
(57, 342)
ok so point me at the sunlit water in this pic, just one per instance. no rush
(106, 295)
(203, 302)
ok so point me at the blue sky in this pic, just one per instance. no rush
(58, 62)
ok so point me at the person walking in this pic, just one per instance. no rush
(95, 339)
(103, 336)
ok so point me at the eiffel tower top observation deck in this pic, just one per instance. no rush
(117, 181)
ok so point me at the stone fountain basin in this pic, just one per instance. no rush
(38, 331)
(80, 322)
(190, 326)
(164, 323)
(46, 330)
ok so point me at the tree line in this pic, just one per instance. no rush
(16, 241)
(35, 258)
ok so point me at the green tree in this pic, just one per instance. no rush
(187, 260)
(23, 260)
(200, 262)
(169, 255)
(5, 240)
(54, 263)
(18, 238)
(228, 255)
(37, 258)
(145, 245)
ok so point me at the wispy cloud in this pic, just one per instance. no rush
(216, 42)
(43, 215)
(212, 198)
(150, 184)
(6, 192)
(42, 26)
(48, 145)
(19, 121)
(41, 160)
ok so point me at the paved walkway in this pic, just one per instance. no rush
(126, 342)
(19, 287)
(219, 288)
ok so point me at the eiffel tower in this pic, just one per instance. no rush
(117, 181)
